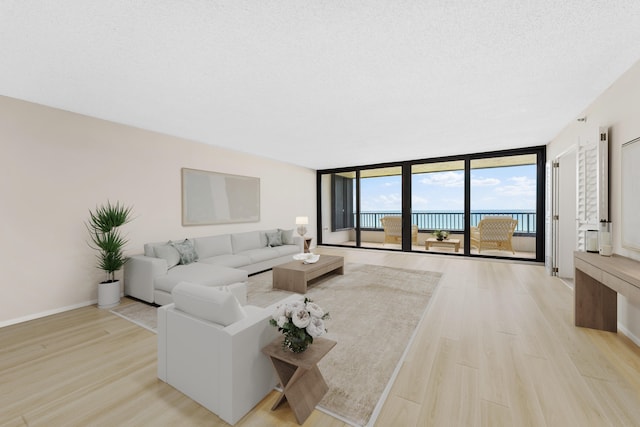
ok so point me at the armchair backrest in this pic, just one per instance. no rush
(392, 225)
(497, 229)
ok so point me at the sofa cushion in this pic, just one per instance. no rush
(274, 239)
(168, 253)
(245, 241)
(287, 236)
(232, 261)
(187, 251)
(262, 254)
(199, 273)
(287, 250)
(214, 304)
(210, 246)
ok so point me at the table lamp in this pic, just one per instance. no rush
(301, 222)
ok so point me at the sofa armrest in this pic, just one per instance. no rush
(139, 274)
(239, 290)
(299, 242)
(256, 315)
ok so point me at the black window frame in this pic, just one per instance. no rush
(540, 152)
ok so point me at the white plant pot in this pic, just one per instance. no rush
(108, 294)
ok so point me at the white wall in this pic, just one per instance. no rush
(57, 165)
(618, 108)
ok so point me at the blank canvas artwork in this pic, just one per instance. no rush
(631, 195)
(219, 198)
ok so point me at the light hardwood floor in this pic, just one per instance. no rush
(497, 347)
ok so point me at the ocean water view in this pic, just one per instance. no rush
(450, 220)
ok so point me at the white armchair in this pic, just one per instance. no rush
(209, 348)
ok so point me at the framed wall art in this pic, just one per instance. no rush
(219, 198)
(630, 195)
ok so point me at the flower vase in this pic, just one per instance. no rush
(295, 343)
(440, 239)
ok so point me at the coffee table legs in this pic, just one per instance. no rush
(302, 388)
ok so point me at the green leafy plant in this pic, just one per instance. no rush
(103, 226)
(441, 234)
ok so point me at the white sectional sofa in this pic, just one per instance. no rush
(222, 260)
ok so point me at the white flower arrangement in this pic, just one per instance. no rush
(300, 322)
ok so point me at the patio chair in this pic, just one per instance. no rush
(392, 226)
(494, 233)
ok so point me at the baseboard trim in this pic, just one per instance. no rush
(628, 334)
(46, 313)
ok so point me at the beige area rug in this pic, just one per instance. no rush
(140, 313)
(374, 312)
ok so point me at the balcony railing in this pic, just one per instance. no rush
(450, 221)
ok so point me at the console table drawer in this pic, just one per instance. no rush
(589, 269)
(598, 282)
(621, 287)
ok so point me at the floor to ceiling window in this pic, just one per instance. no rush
(381, 207)
(487, 205)
(504, 206)
(437, 204)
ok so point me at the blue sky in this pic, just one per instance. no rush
(503, 188)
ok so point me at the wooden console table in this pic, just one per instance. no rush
(598, 280)
(302, 383)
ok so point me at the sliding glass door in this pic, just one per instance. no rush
(475, 205)
(437, 205)
(381, 208)
(504, 206)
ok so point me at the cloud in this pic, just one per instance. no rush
(484, 182)
(382, 202)
(518, 186)
(443, 179)
(419, 203)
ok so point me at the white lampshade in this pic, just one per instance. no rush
(302, 220)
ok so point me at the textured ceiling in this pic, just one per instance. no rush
(323, 83)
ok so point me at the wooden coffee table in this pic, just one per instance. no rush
(431, 241)
(294, 276)
(302, 383)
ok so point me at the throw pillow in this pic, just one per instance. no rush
(187, 251)
(168, 253)
(274, 239)
(287, 237)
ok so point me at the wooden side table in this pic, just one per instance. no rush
(302, 383)
(307, 244)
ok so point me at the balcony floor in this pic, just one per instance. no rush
(444, 250)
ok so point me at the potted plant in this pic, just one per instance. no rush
(103, 226)
(441, 234)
